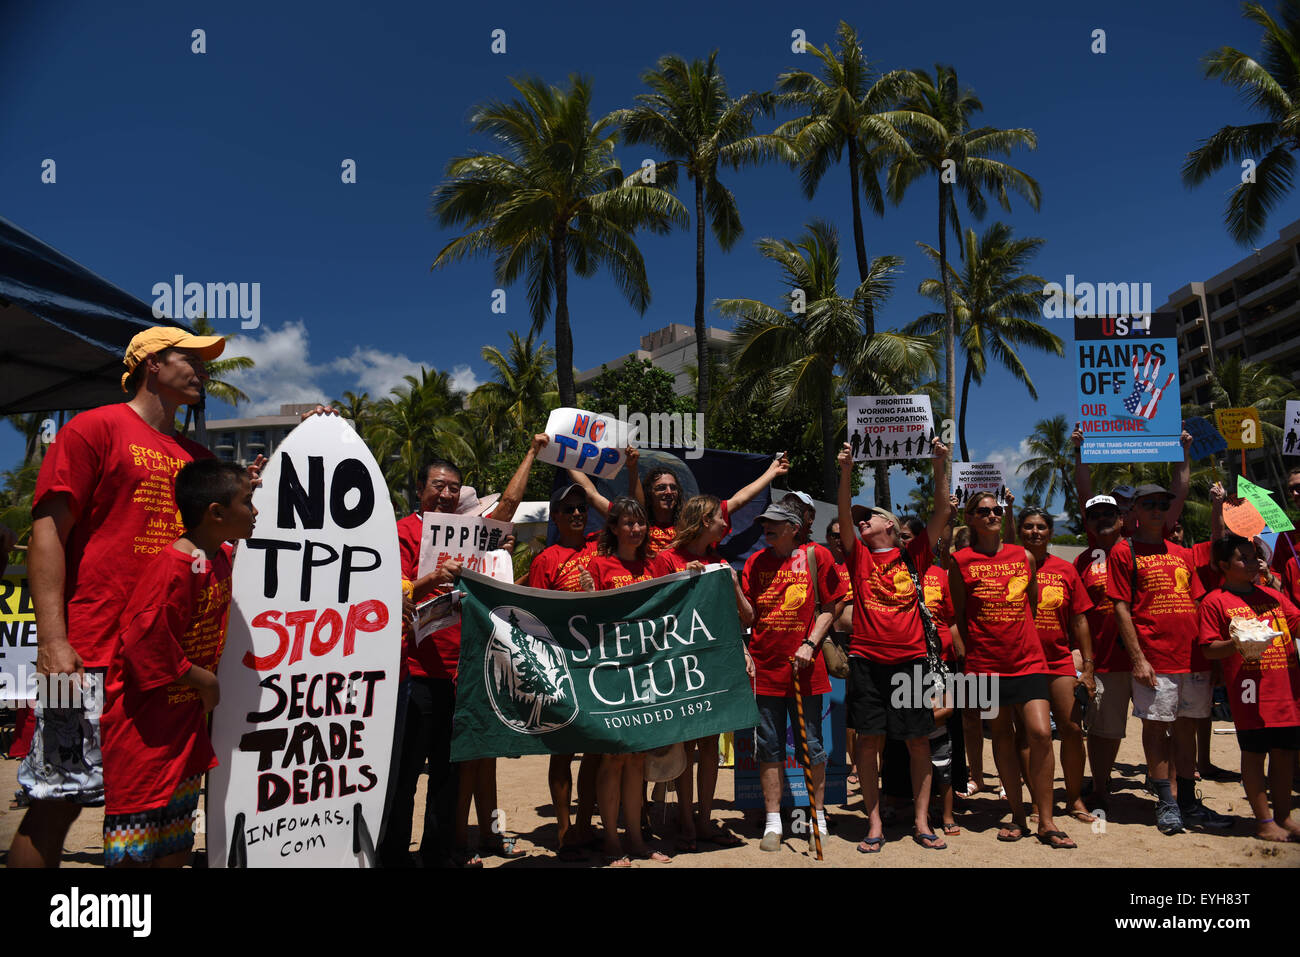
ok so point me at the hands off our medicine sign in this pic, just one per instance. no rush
(586, 441)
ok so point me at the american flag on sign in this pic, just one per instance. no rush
(1145, 397)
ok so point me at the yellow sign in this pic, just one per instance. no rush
(1240, 427)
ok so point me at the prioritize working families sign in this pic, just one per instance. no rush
(1128, 388)
(970, 479)
(309, 674)
(889, 427)
(629, 669)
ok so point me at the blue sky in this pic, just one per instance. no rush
(225, 166)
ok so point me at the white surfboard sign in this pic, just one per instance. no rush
(308, 677)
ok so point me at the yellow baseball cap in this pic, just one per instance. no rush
(157, 338)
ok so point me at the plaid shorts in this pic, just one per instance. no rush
(148, 835)
(65, 763)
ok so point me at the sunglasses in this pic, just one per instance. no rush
(1156, 504)
(570, 509)
(1103, 514)
(985, 511)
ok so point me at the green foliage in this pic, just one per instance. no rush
(638, 385)
(16, 505)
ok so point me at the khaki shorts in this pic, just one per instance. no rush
(1107, 715)
(1174, 696)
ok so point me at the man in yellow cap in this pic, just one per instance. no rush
(103, 506)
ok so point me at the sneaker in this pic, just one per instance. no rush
(1168, 819)
(771, 842)
(1201, 816)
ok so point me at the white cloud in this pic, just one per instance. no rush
(463, 379)
(374, 371)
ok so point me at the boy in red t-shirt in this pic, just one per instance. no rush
(162, 679)
(1263, 680)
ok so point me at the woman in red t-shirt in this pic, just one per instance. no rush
(700, 527)
(994, 596)
(621, 560)
(1061, 624)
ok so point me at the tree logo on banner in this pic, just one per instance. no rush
(526, 675)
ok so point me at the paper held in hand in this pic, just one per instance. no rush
(469, 539)
(970, 479)
(889, 427)
(586, 441)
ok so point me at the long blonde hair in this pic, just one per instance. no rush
(693, 519)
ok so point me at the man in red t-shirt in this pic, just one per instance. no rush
(102, 509)
(1154, 587)
(778, 583)
(887, 654)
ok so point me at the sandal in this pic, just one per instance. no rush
(871, 845)
(502, 847)
(464, 857)
(920, 838)
(951, 829)
(612, 861)
(973, 788)
(657, 856)
(1056, 840)
(1008, 839)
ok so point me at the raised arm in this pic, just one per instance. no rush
(1082, 474)
(1008, 517)
(1217, 497)
(514, 493)
(780, 465)
(1181, 480)
(634, 487)
(848, 531)
(594, 498)
(942, 502)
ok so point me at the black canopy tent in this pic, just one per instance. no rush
(63, 330)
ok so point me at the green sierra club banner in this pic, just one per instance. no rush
(625, 670)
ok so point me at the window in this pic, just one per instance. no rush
(1196, 338)
(1192, 310)
(1228, 295)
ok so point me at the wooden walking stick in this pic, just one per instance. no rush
(806, 763)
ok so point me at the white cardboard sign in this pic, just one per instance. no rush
(889, 427)
(1291, 428)
(586, 441)
(977, 478)
(469, 539)
(304, 730)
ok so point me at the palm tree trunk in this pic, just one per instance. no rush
(563, 333)
(701, 334)
(881, 470)
(1067, 487)
(829, 447)
(961, 419)
(950, 328)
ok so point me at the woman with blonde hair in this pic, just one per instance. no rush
(700, 526)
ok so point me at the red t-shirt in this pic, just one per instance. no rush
(661, 536)
(676, 559)
(1061, 596)
(1164, 614)
(1263, 693)
(1107, 650)
(1291, 580)
(438, 655)
(1209, 574)
(610, 571)
(155, 733)
(784, 614)
(938, 599)
(1002, 639)
(886, 619)
(118, 474)
(558, 567)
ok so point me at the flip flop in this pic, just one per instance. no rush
(920, 838)
(657, 856)
(1051, 838)
(871, 845)
(1019, 832)
(951, 829)
(1084, 817)
(611, 861)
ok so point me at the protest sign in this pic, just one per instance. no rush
(1291, 428)
(889, 427)
(586, 441)
(1128, 388)
(629, 669)
(475, 543)
(794, 789)
(1243, 519)
(17, 639)
(1269, 510)
(1206, 439)
(970, 479)
(309, 674)
(1240, 427)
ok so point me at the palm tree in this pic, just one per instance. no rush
(1271, 85)
(996, 308)
(689, 116)
(524, 388)
(849, 108)
(31, 425)
(410, 427)
(555, 198)
(961, 159)
(218, 369)
(792, 357)
(1051, 466)
(1236, 383)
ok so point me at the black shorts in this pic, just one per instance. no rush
(1264, 740)
(1020, 689)
(880, 703)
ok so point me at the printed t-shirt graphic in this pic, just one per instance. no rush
(1164, 612)
(1263, 693)
(784, 612)
(1107, 650)
(118, 473)
(938, 599)
(1003, 640)
(1061, 596)
(559, 568)
(610, 571)
(155, 730)
(676, 559)
(886, 618)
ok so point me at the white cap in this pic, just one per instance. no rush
(1100, 500)
(801, 496)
